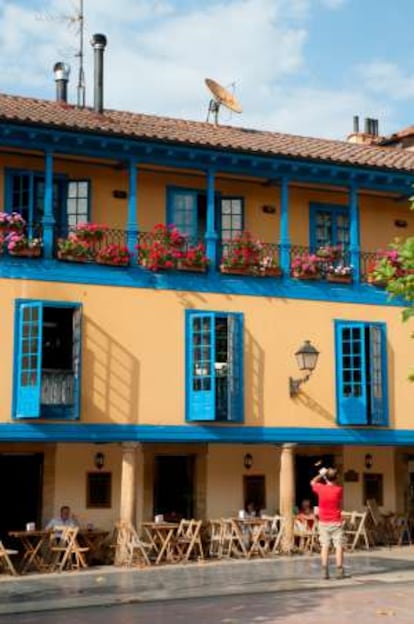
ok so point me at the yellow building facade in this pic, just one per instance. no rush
(128, 392)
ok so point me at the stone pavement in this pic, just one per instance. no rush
(104, 586)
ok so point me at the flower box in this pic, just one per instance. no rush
(236, 270)
(72, 258)
(339, 279)
(307, 276)
(191, 268)
(34, 252)
(124, 262)
(270, 272)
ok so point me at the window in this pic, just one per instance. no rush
(231, 218)
(214, 349)
(254, 488)
(373, 488)
(329, 225)
(98, 490)
(77, 202)
(47, 360)
(25, 194)
(361, 373)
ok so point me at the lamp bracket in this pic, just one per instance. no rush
(295, 384)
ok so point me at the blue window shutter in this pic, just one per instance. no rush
(182, 211)
(378, 375)
(77, 338)
(351, 374)
(235, 368)
(200, 372)
(28, 385)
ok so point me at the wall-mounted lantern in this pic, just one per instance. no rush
(248, 461)
(307, 358)
(369, 460)
(99, 460)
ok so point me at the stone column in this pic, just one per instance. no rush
(287, 493)
(128, 495)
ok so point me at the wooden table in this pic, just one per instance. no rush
(92, 539)
(33, 542)
(160, 535)
(252, 536)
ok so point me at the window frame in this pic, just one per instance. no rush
(208, 402)
(94, 473)
(335, 210)
(70, 412)
(368, 416)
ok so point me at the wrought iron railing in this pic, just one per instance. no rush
(250, 256)
(57, 388)
(330, 263)
(367, 263)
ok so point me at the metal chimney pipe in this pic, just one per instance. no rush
(356, 124)
(98, 43)
(61, 72)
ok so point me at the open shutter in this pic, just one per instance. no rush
(377, 351)
(182, 212)
(200, 347)
(235, 411)
(29, 361)
(77, 337)
(351, 374)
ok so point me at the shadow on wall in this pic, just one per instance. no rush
(111, 378)
(314, 406)
(254, 370)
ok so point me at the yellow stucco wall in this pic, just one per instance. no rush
(133, 353)
(383, 463)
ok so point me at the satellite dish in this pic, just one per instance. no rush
(220, 97)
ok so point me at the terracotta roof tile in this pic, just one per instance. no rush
(201, 134)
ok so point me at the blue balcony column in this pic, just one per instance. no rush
(48, 221)
(211, 234)
(354, 234)
(284, 241)
(132, 222)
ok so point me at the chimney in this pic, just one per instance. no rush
(369, 136)
(98, 43)
(61, 72)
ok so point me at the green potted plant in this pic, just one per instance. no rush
(194, 259)
(341, 274)
(242, 255)
(386, 265)
(114, 255)
(92, 232)
(306, 266)
(19, 245)
(162, 248)
(74, 250)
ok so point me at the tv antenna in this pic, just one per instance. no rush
(77, 21)
(221, 97)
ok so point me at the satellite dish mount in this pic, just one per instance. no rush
(221, 96)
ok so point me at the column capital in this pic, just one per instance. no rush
(289, 446)
(130, 447)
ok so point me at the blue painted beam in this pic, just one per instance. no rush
(211, 282)
(48, 221)
(132, 222)
(212, 434)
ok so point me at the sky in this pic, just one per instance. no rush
(298, 66)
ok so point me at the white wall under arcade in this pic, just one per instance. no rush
(383, 462)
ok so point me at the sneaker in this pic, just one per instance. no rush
(325, 574)
(340, 573)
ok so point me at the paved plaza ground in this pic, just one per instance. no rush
(284, 589)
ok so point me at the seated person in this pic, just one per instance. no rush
(66, 518)
(305, 514)
(251, 511)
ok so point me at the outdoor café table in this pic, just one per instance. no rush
(92, 539)
(160, 535)
(252, 536)
(34, 543)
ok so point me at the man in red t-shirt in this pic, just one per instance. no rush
(330, 520)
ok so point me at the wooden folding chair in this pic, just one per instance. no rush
(66, 552)
(380, 527)
(189, 539)
(401, 530)
(275, 532)
(5, 560)
(215, 543)
(354, 527)
(130, 548)
(304, 537)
